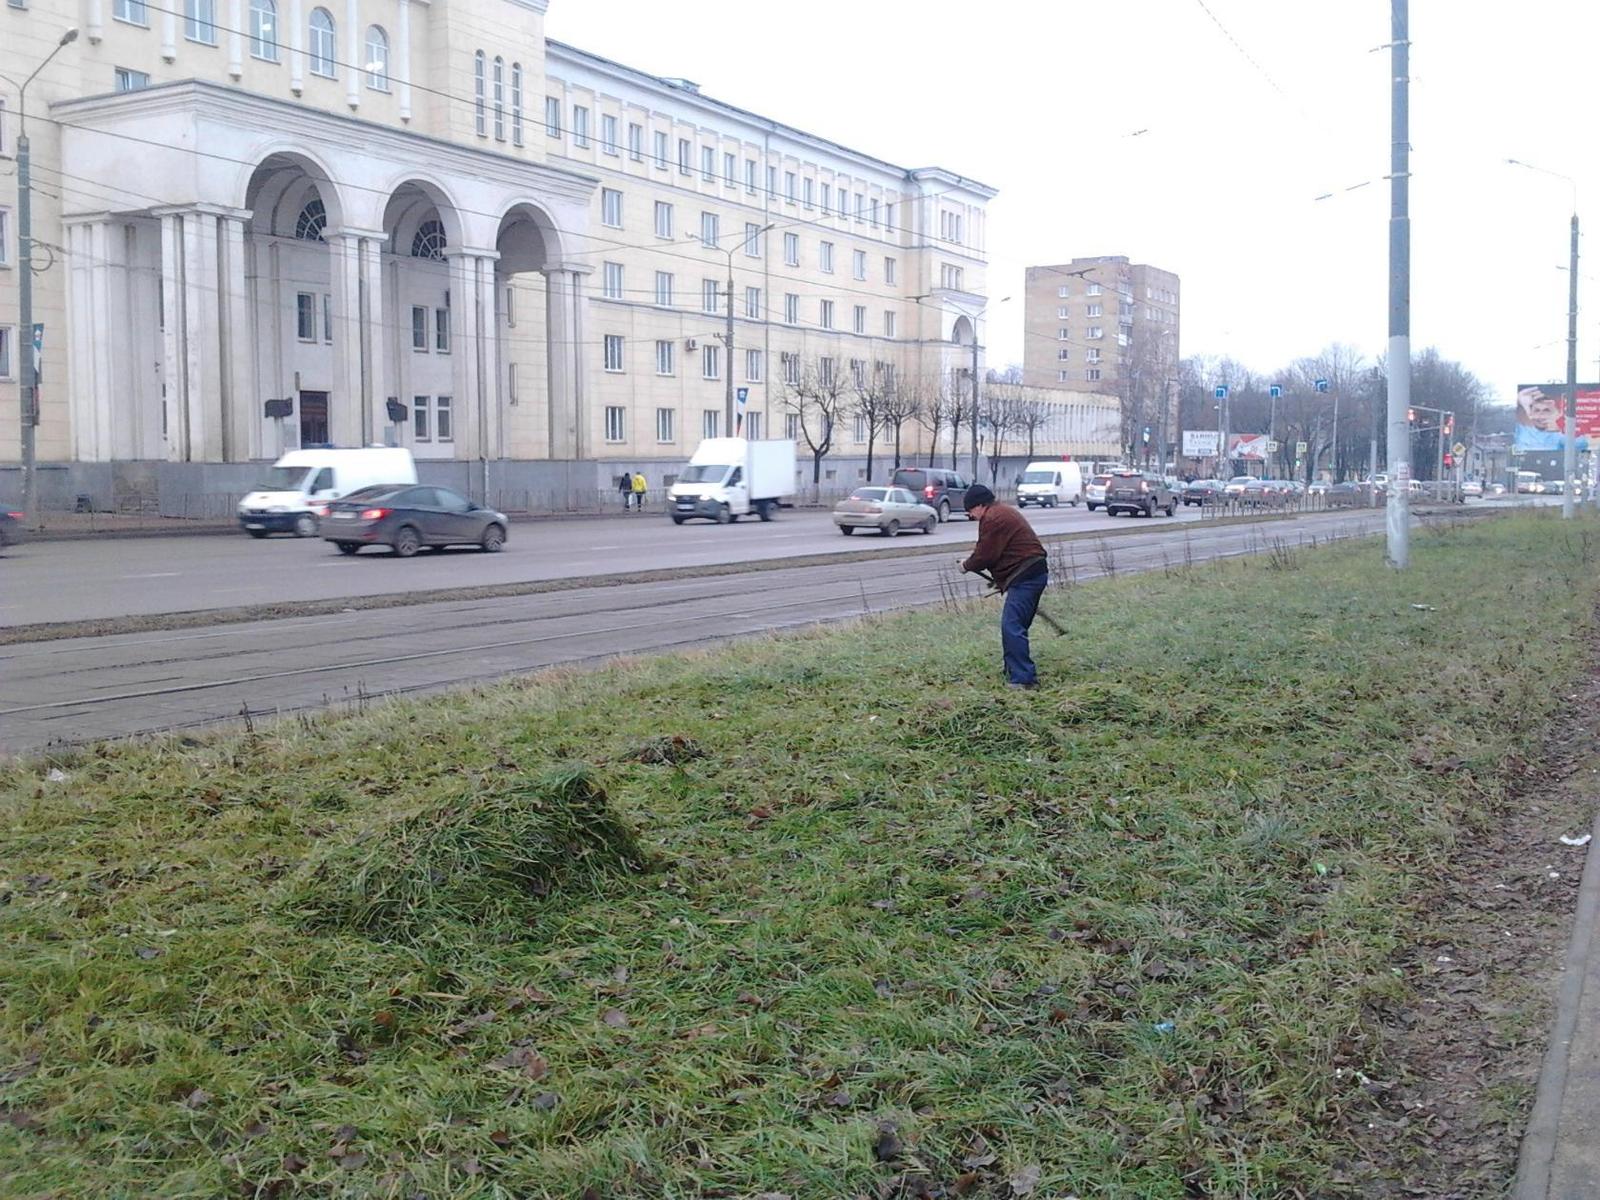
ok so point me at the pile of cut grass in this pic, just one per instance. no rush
(1128, 933)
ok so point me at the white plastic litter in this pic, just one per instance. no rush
(1576, 841)
(57, 775)
(1423, 607)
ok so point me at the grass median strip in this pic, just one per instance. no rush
(829, 915)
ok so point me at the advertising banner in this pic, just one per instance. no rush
(1200, 443)
(1252, 446)
(1541, 416)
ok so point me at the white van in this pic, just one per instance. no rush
(287, 496)
(1050, 483)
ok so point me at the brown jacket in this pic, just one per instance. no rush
(1006, 545)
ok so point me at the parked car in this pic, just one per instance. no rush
(1346, 495)
(1472, 487)
(1202, 492)
(10, 529)
(1136, 492)
(1094, 492)
(408, 517)
(943, 491)
(1265, 493)
(886, 509)
(1234, 488)
(1318, 487)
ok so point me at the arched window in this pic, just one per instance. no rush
(264, 29)
(429, 241)
(516, 104)
(478, 68)
(377, 59)
(499, 99)
(312, 221)
(324, 43)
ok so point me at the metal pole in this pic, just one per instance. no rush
(974, 402)
(1333, 456)
(29, 390)
(1569, 437)
(1398, 519)
(727, 402)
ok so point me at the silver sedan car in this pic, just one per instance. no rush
(886, 509)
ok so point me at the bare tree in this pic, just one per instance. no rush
(958, 408)
(903, 401)
(933, 411)
(1029, 417)
(817, 402)
(997, 418)
(872, 385)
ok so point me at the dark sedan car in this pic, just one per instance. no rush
(1202, 492)
(10, 528)
(408, 517)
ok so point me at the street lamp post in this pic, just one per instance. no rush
(726, 337)
(29, 391)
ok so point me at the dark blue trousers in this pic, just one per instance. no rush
(1021, 603)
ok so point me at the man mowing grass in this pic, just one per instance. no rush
(1015, 559)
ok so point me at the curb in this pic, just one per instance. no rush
(1537, 1154)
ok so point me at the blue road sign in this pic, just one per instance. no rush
(1275, 392)
(1220, 393)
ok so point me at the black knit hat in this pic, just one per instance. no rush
(978, 496)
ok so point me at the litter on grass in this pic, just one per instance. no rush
(1576, 841)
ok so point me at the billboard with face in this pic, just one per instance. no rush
(1541, 416)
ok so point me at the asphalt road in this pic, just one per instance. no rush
(75, 690)
(113, 577)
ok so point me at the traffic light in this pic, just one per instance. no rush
(1411, 414)
(1449, 459)
(1449, 424)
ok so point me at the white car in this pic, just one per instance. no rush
(1472, 487)
(886, 509)
(1094, 492)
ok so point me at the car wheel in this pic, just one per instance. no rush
(305, 525)
(1149, 508)
(764, 510)
(348, 547)
(724, 515)
(676, 520)
(892, 529)
(927, 526)
(407, 542)
(256, 533)
(493, 538)
(847, 530)
(1172, 508)
(944, 511)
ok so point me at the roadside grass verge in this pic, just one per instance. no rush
(827, 915)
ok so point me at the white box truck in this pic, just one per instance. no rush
(1048, 484)
(287, 497)
(728, 478)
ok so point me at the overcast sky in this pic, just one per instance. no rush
(1139, 127)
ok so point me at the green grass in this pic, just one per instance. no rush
(521, 943)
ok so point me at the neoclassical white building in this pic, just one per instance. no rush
(263, 224)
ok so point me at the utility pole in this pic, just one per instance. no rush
(974, 402)
(726, 337)
(1569, 437)
(1398, 518)
(29, 391)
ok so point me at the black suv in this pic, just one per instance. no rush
(1137, 492)
(943, 491)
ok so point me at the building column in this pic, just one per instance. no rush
(94, 14)
(241, 412)
(358, 53)
(402, 58)
(169, 33)
(568, 364)
(297, 47)
(235, 38)
(472, 328)
(355, 407)
(375, 337)
(171, 298)
(83, 384)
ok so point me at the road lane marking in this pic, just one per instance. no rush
(156, 575)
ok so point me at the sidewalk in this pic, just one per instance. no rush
(1560, 1156)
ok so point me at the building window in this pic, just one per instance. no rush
(888, 270)
(516, 104)
(750, 174)
(327, 318)
(5, 237)
(753, 365)
(664, 288)
(377, 63)
(635, 142)
(614, 419)
(613, 281)
(661, 151)
(950, 226)
(827, 314)
(1061, 334)
(263, 29)
(1092, 374)
(710, 230)
(772, 181)
(419, 328)
(825, 370)
(825, 257)
(1064, 291)
(708, 163)
(499, 99)
(791, 249)
(664, 357)
(443, 424)
(608, 134)
(421, 424)
(429, 241)
(858, 374)
(888, 324)
(708, 295)
(1093, 289)
(1063, 312)
(324, 43)
(131, 81)
(861, 207)
(1096, 333)
(580, 126)
(1095, 310)
(861, 424)
(730, 167)
(200, 21)
(711, 362)
(752, 303)
(791, 309)
(875, 211)
(1063, 354)
(511, 305)
(666, 418)
(788, 186)
(888, 217)
(685, 156)
(1063, 376)
(807, 191)
(861, 318)
(710, 423)
(614, 352)
(752, 239)
(552, 115)
(611, 207)
(791, 368)
(791, 423)
(131, 11)
(441, 330)
(950, 277)
(1092, 354)
(859, 262)
(827, 198)
(663, 219)
(752, 426)
(305, 316)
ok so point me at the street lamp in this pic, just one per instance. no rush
(726, 338)
(29, 391)
(1569, 438)
(975, 349)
